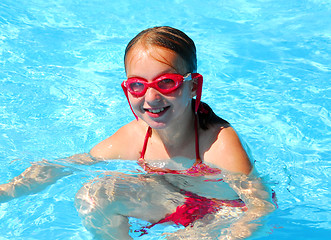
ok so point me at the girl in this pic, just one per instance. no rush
(177, 140)
(194, 165)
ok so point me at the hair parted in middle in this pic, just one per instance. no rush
(169, 38)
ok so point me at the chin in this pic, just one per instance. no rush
(155, 123)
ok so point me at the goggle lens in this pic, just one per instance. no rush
(136, 87)
(166, 84)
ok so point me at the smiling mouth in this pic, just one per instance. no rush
(156, 110)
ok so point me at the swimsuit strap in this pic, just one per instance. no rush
(197, 152)
(143, 151)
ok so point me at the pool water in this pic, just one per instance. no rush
(267, 70)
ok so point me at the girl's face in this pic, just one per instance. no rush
(156, 109)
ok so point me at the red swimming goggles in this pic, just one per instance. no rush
(165, 84)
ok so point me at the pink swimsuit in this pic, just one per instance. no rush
(195, 206)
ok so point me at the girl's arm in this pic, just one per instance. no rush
(39, 176)
(258, 199)
(245, 181)
(42, 174)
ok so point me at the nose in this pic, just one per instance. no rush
(152, 95)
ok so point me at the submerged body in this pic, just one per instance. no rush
(205, 205)
(175, 189)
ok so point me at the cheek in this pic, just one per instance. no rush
(135, 102)
(185, 93)
(182, 98)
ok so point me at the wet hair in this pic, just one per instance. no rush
(207, 117)
(170, 38)
(180, 43)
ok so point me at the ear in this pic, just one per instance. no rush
(194, 87)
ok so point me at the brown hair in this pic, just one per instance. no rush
(207, 117)
(170, 38)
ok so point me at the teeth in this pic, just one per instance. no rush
(156, 110)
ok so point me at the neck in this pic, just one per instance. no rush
(178, 134)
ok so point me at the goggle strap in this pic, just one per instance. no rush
(125, 90)
(198, 91)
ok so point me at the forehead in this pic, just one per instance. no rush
(140, 53)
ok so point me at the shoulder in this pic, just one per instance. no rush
(125, 143)
(227, 151)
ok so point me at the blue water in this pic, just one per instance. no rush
(267, 70)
